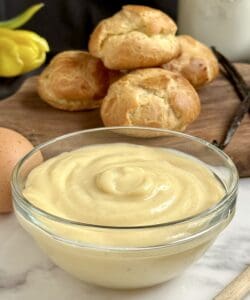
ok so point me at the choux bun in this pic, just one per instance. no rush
(135, 37)
(151, 97)
(196, 62)
(74, 80)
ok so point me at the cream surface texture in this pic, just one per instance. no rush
(123, 185)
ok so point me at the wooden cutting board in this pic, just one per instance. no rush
(26, 113)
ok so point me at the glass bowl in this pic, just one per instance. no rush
(126, 257)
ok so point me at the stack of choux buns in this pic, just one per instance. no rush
(137, 70)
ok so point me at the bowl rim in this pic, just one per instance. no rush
(32, 208)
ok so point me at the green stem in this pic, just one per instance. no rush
(22, 18)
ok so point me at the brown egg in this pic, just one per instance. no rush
(13, 146)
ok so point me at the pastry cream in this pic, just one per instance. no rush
(122, 185)
(127, 185)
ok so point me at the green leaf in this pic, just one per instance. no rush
(23, 18)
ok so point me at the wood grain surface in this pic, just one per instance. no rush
(26, 113)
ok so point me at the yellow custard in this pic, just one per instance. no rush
(123, 185)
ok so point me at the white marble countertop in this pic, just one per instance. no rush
(27, 274)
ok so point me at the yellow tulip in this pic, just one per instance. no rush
(20, 50)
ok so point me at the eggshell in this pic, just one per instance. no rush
(13, 146)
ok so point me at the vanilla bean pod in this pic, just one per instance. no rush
(243, 91)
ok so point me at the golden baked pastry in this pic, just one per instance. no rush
(151, 97)
(135, 37)
(196, 62)
(74, 80)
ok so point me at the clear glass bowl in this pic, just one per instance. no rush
(126, 257)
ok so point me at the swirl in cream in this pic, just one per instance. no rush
(123, 184)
